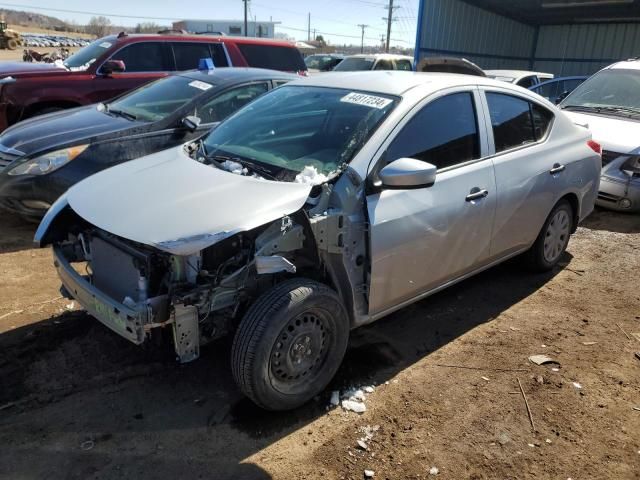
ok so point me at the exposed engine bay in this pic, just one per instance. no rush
(137, 289)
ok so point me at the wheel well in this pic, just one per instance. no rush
(32, 110)
(572, 198)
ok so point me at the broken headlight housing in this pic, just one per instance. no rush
(48, 162)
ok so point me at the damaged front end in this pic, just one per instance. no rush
(140, 290)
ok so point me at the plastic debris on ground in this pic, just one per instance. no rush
(541, 359)
(351, 399)
(310, 176)
(434, 471)
(234, 167)
(577, 385)
(369, 473)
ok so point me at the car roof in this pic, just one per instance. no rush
(134, 37)
(392, 82)
(389, 56)
(514, 73)
(631, 64)
(236, 74)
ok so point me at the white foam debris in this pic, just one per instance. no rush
(369, 473)
(310, 176)
(577, 385)
(434, 471)
(234, 167)
(368, 389)
(335, 398)
(354, 406)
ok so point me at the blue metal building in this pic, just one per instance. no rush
(564, 37)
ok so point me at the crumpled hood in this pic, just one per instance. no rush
(614, 134)
(169, 201)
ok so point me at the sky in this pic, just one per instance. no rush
(336, 20)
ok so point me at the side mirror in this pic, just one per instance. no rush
(406, 173)
(561, 97)
(191, 123)
(111, 66)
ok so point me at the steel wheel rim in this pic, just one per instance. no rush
(556, 236)
(300, 351)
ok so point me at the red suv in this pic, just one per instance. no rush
(118, 63)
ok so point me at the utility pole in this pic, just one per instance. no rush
(309, 27)
(389, 19)
(246, 33)
(362, 26)
(314, 34)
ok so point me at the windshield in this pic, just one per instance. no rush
(156, 101)
(87, 55)
(354, 64)
(296, 128)
(607, 90)
(319, 62)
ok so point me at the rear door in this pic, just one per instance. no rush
(422, 238)
(524, 165)
(144, 61)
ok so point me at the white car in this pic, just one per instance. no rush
(323, 205)
(522, 78)
(380, 61)
(609, 104)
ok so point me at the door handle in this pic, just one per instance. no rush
(557, 168)
(477, 195)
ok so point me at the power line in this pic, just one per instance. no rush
(80, 12)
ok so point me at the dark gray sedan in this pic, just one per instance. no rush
(42, 157)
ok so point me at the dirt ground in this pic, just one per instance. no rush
(76, 401)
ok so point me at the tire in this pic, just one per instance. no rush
(552, 240)
(12, 44)
(290, 344)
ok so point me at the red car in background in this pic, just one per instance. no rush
(118, 63)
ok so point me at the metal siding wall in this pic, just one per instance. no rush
(585, 49)
(481, 36)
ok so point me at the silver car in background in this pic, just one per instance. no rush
(322, 206)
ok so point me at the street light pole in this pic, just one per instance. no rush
(246, 33)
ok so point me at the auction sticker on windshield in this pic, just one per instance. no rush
(366, 100)
(105, 45)
(200, 85)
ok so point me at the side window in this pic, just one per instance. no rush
(384, 65)
(188, 55)
(548, 91)
(541, 120)
(220, 107)
(516, 121)
(443, 133)
(527, 82)
(143, 57)
(278, 83)
(274, 57)
(219, 55)
(403, 65)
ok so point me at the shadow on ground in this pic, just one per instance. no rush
(610, 221)
(15, 233)
(69, 381)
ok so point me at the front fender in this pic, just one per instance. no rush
(41, 239)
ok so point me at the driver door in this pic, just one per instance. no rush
(422, 238)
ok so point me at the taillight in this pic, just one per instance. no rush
(303, 73)
(595, 146)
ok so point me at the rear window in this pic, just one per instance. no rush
(275, 57)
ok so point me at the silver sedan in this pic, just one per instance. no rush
(323, 205)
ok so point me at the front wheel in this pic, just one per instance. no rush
(552, 240)
(290, 344)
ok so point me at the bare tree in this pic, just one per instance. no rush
(149, 27)
(98, 26)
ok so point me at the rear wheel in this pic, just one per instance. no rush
(290, 344)
(12, 44)
(553, 238)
